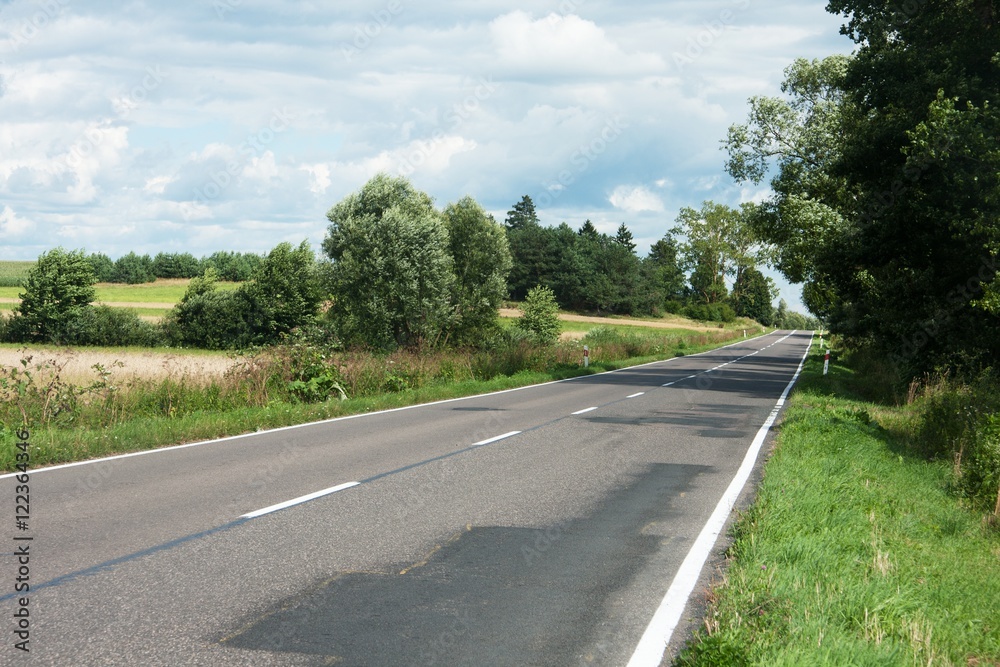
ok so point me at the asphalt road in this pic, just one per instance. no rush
(540, 526)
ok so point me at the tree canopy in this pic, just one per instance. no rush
(887, 180)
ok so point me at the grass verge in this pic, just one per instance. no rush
(855, 552)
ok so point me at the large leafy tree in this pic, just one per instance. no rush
(709, 249)
(58, 287)
(392, 275)
(481, 256)
(283, 293)
(888, 179)
(663, 274)
(753, 294)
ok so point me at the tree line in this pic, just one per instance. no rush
(134, 269)
(397, 272)
(685, 272)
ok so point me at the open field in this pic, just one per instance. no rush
(12, 272)
(198, 366)
(151, 301)
(163, 292)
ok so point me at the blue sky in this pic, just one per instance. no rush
(236, 124)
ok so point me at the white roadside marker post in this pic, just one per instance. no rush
(826, 362)
(586, 356)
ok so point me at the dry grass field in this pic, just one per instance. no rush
(78, 363)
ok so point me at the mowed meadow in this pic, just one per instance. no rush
(149, 300)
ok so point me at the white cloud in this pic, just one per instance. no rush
(136, 108)
(12, 226)
(635, 199)
(565, 45)
(320, 177)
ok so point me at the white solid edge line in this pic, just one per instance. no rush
(497, 438)
(649, 651)
(299, 500)
(641, 393)
(585, 410)
(161, 450)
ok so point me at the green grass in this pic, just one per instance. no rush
(158, 292)
(620, 328)
(855, 552)
(52, 444)
(12, 273)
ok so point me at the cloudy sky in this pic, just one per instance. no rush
(236, 124)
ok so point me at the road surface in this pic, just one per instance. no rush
(540, 526)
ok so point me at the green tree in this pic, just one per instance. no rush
(522, 215)
(540, 316)
(283, 293)
(102, 266)
(57, 288)
(709, 249)
(886, 193)
(392, 276)
(176, 265)
(802, 135)
(663, 273)
(134, 269)
(624, 238)
(482, 260)
(233, 266)
(752, 296)
(589, 231)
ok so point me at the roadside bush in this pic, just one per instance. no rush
(106, 326)
(283, 293)
(540, 316)
(710, 312)
(961, 423)
(213, 320)
(57, 287)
